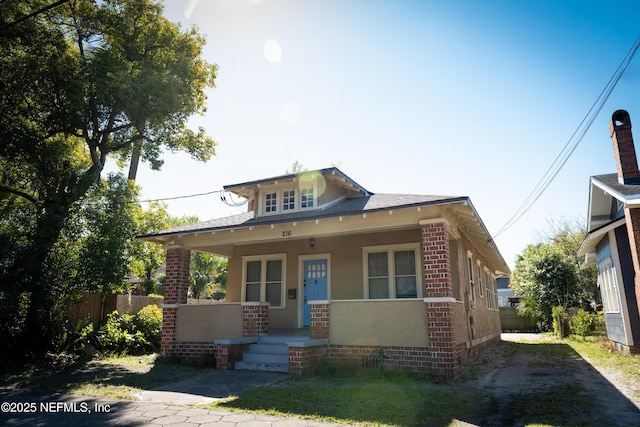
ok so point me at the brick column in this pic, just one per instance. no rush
(175, 293)
(255, 319)
(438, 297)
(319, 319)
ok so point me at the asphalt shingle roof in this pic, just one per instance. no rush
(610, 180)
(371, 203)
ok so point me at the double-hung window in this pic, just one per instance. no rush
(608, 283)
(480, 290)
(391, 272)
(472, 286)
(264, 279)
(489, 289)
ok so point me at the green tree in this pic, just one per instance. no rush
(85, 81)
(148, 256)
(567, 235)
(107, 219)
(208, 275)
(545, 277)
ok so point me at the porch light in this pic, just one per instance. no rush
(312, 242)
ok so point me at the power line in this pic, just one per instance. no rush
(32, 14)
(573, 142)
(223, 198)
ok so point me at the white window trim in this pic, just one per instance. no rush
(472, 286)
(480, 279)
(391, 282)
(263, 273)
(279, 191)
(609, 290)
(488, 286)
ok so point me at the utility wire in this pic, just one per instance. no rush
(573, 142)
(221, 192)
(37, 12)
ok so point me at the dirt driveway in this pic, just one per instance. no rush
(524, 387)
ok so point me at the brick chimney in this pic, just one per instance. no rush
(623, 148)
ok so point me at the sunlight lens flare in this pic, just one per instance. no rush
(272, 51)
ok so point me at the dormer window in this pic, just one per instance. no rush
(271, 202)
(289, 200)
(308, 200)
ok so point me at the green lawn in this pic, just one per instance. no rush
(371, 397)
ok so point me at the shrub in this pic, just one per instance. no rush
(584, 323)
(149, 322)
(119, 336)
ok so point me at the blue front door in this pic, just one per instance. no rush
(315, 285)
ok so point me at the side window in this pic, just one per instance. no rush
(391, 272)
(472, 287)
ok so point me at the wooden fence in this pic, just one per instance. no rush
(96, 308)
(510, 321)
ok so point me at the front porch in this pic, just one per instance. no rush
(414, 334)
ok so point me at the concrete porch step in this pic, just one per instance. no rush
(269, 348)
(266, 357)
(270, 353)
(272, 367)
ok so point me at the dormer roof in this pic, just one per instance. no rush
(332, 174)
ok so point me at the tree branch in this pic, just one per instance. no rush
(18, 193)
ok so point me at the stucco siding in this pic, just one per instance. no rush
(346, 268)
(384, 323)
(208, 322)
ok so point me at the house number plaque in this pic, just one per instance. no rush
(286, 233)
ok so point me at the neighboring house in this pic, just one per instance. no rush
(613, 238)
(358, 278)
(506, 297)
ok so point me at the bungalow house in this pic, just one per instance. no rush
(613, 238)
(321, 267)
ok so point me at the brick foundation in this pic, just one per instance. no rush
(411, 359)
(303, 359)
(193, 350)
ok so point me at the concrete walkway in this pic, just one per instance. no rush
(166, 406)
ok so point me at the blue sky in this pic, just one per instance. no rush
(460, 98)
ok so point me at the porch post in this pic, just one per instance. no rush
(255, 319)
(175, 293)
(319, 319)
(438, 297)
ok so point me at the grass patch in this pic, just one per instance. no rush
(113, 377)
(372, 398)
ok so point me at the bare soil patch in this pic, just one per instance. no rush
(548, 383)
